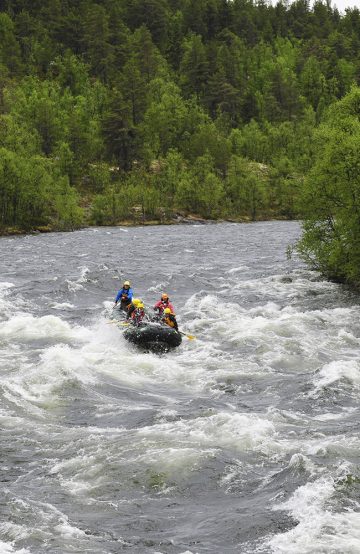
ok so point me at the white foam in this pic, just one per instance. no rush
(81, 473)
(334, 446)
(237, 269)
(6, 548)
(300, 462)
(87, 354)
(12, 531)
(186, 552)
(240, 431)
(74, 286)
(5, 286)
(112, 355)
(84, 271)
(329, 416)
(340, 370)
(176, 462)
(158, 287)
(63, 306)
(280, 337)
(25, 327)
(318, 528)
(68, 531)
(231, 472)
(43, 383)
(6, 307)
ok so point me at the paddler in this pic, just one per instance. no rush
(138, 313)
(163, 303)
(132, 306)
(169, 319)
(124, 295)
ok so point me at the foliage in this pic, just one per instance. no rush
(331, 201)
(145, 107)
(32, 193)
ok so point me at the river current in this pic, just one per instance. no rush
(245, 440)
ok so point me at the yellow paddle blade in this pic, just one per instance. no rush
(190, 337)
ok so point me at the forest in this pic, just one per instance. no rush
(140, 110)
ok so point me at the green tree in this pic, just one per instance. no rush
(312, 81)
(207, 139)
(331, 201)
(245, 188)
(172, 169)
(201, 191)
(152, 14)
(97, 41)
(17, 137)
(71, 73)
(169, 121)
(149, 61)
(133, 88)
(194, 67)
(10, 54)
(176, 37)
(119, 132)
(32, 192)
(38, 105)
(112, 206)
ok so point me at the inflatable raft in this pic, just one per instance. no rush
(153, 335)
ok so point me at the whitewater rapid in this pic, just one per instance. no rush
(244, 440)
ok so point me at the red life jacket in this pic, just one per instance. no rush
(161, 305)
(138, 315)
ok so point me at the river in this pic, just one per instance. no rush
(245, 440)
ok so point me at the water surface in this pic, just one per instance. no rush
(244, 440)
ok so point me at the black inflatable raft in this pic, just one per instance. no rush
(153, 335)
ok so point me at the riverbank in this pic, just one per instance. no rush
(178, 219)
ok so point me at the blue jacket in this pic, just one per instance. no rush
(122, 291)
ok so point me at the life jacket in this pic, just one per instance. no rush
(125, 296)
(137, 315)
(161, 305)
(167, 319)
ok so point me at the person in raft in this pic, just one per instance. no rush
(138, 313)
(170, 319)
(125, 295)
(163, 303)
(132, 306)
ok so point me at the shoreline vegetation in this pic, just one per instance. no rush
(176, 219)
(134, 110)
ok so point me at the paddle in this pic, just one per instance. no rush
(190, 337)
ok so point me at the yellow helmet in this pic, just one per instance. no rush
(167, 311)
(126, 284)
(140, 305)
(164, 296)
(136, 301)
